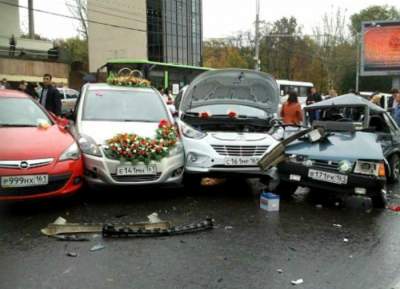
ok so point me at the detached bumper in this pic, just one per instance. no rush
(298, 174)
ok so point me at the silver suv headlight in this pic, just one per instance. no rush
(71, 153)
(190, 132)
(89, 146)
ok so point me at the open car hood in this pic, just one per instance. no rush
(232, 86)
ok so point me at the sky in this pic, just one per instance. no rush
(221, 18)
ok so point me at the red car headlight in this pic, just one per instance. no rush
(71, 153)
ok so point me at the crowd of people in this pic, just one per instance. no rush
(47, 95)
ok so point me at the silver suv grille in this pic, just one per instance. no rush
(240, 151)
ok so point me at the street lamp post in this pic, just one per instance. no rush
(257, 38)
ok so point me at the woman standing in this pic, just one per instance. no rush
(291, 112)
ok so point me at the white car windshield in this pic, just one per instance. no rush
(224, 109)
(21, 112)
(124, 105)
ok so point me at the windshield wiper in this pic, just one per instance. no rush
(17, 125)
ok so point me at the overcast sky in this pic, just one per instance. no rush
(221, 18)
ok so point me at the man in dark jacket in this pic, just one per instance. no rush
(50, 97)
(313, 97)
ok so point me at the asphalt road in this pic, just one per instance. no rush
(300, 240)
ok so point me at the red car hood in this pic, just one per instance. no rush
(28, 143)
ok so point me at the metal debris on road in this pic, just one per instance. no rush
(72, 254)
(153, 218)
(280, 271)
(319, 206)
(71, 238)
(115, 231)
(97, 247)
(337, 225)
(345, 240)
(64, 228)
(297, 282)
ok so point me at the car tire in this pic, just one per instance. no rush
(394, 163)
(379, 200)
(285, 189)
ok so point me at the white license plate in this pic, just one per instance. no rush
(138, 170)
(241, 161)
(24, 181)
(327, 177)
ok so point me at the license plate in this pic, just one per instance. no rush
(241, 161)
(327, 177)
(24, 181)
(138, 170)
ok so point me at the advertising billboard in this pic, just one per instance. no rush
(380, 50)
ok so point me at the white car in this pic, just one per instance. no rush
(106, 110)
(69, 98)
(225, 121)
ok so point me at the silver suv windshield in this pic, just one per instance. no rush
(123, 105)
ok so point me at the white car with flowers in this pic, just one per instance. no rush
(127, 136)
(226, 120)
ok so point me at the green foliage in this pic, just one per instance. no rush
(373, 13)
(75, 50)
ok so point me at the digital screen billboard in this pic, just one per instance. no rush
(380, 53)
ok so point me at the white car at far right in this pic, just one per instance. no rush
(226, 122)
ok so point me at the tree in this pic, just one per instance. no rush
(78, 9)
(373, 13)
(223, 54)
(74, 50)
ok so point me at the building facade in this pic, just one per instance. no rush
(167, 31)
(175, 31)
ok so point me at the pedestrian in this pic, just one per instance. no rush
(4, 84)
(22, 86)
(312, 98)
(392, 102)
(331, 94)
(396, 108)
(291, 112)
(13, 45)
(376, 99)
(50, 97)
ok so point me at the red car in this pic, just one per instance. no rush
(38, 156)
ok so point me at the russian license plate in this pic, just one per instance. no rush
(327, 177)
(138, 170)
(24, 181)
(241, 161)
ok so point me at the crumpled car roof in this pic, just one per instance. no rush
(349, 99)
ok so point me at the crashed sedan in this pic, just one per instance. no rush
(225, 122)
(353, 149)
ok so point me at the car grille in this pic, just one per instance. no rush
(326, 164)
(240, 151)
(56, 182)
(136, 179)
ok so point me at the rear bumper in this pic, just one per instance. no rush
(65, 178)
(288, 172)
